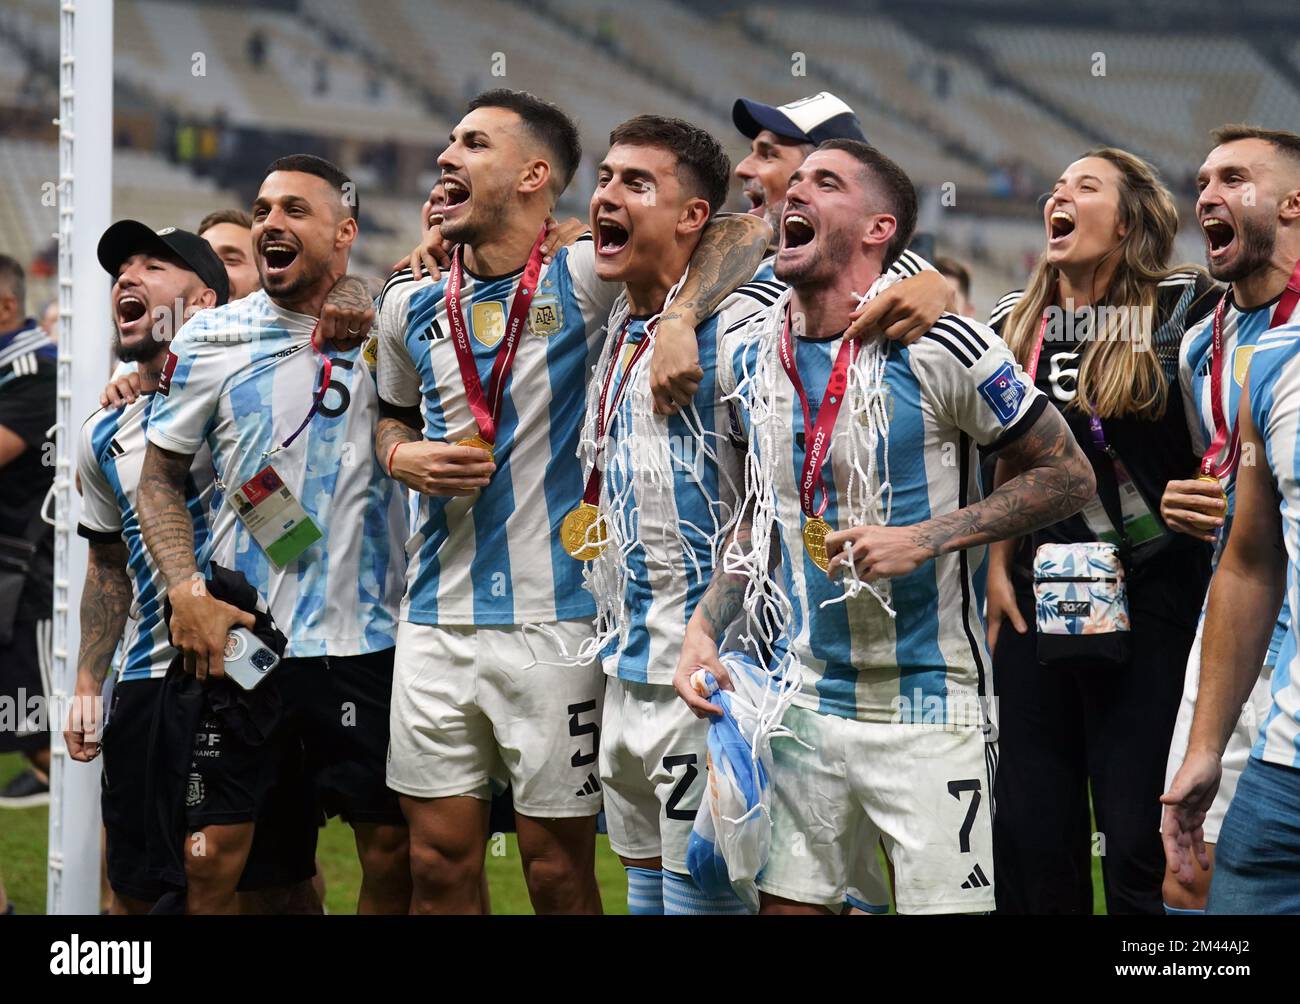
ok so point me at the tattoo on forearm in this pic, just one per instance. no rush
(105, 603)
(351, 293)
(1056, 482)
(724, 598)
(165, 521)
(730, 250)
(388, 433)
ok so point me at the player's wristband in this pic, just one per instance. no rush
(390, 456)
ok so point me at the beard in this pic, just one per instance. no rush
(310, 273)
(143, 349)
(485, 220)
(1258, 240)
(834, 252)
(772, 212)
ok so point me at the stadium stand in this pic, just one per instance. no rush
(959, 94)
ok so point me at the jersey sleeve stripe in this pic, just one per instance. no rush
(975, 347)
(959, 324)
(396, 279)
(945, 341)
(907, 262)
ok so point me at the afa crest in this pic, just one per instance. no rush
(545, 316)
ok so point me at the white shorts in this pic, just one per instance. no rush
(1237, 752)
(652, 762)
(474, 706)
(925, 788)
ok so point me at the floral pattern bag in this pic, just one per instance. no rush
(1080, 604)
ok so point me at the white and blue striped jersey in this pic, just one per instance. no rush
(1274, 373)
(668, 495)
(241, 378)
(672, 483)
(954, 390)
(495, 558)
(1242, 330)
(108, 462)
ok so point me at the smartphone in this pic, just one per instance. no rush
(247, 660)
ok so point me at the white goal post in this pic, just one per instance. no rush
(85, 207)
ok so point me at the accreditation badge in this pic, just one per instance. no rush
(274, 517)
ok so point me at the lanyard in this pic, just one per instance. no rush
(487, 408)
(817, 437)
(1223, 435)
(323, 383)
(591, 493)
(1094, 422)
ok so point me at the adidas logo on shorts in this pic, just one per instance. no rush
(589, 787)
(976, 880)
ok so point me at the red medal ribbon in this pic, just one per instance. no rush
(1223, 434)
(817, 437)
(591, 493)
(487, 408)
(1032, 368)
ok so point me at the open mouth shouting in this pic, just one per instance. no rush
(1060, 225)
(796, 230)
(1220, 236)
(278, 256)
(129, 309)
(457, 196)
(753, 191)
(611, 237)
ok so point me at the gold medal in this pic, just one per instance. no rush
(479, 443)
(1216, 482)
(578, 538)
(814, 541)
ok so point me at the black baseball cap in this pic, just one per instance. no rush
(813, 119)
(127, 237)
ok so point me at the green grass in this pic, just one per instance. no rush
(23, 835)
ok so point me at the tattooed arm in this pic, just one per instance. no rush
(348, 313)
(200, 622)
(728, 254)
(1056, 481)
(722, 602)
(105, 603)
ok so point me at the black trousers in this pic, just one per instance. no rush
(1064, 730)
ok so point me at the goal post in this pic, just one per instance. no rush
(85, 203)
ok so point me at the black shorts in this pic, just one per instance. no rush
(24, 683)
(284, 842)
(331, 741)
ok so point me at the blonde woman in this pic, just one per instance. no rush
(1099, 326)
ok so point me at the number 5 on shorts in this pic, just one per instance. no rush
(955, 788)
(577, 729)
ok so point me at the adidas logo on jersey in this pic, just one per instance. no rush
(977, 879)
(589, 787)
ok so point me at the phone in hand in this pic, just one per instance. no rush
(247, 660)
